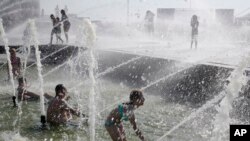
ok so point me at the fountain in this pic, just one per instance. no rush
(33, 39)
(223, 119)
(90, 39)
(5, 40)
(186, 98)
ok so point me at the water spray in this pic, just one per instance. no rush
(90, 39)
(7, 50)
(236, 80)
(39, 69)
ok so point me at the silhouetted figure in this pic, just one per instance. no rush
(66, 24)
(58, 29)
(149, 21)
(194, 35)
(15, 63)
(55, 29)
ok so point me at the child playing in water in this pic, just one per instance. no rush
(58, 29)
(59, 112)
(55, 29)
(23, 94)
(15, 63)
(124, 112)
(66, 24)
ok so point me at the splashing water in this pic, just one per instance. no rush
(90, 39)
(27, 39)
(236, 81)
(111, 69)
(39, 65)
(194, 114)
(6, 47)
(49, 55)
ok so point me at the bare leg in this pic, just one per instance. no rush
(114, 133)
(67, 37)
(48, 97)
(122, 132)
(30, 95)
(58, 37)
(51, 37)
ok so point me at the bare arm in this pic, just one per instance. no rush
(137, 131)
(73, 111)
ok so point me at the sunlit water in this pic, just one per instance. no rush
(155, 118)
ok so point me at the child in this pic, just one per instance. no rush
(194, 25)
(59, 112)
(66, 24)
(54, 29)
(15, 63)
(124, 112)
(58, 29)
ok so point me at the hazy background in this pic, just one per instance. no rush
(106, 9)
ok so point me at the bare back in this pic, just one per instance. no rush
(58, 112)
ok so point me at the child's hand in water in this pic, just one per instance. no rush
(67, 98)
(77, 111)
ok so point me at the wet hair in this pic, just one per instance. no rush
(135, 95)
(59, 88)
(194, 17)
(63, 12)
(51, 16)
(12, 50)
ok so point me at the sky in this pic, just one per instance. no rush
(103, 9)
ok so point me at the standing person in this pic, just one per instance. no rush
(54, 29)
(149, 22)
(194, 25)
(124, 112)
(59, 112)
(15, 63)
(58, 29)
(66, 24)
